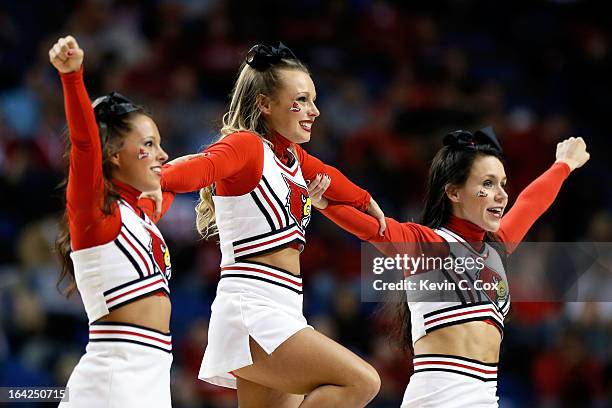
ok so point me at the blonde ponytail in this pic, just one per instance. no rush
(205, 213)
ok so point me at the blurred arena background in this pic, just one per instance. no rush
(392, 77)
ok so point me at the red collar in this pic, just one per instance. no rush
(128, 193)
(281, 144)
(469, 231)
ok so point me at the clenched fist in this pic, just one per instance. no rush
(573, 152)
(65, 55)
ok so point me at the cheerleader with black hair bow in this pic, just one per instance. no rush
(110, 249)
(455, 335)
(254, 194)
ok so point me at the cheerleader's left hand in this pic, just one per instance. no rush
(156, 197)
(573, 152)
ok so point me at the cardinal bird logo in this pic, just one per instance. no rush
(160, 254)
(488, 275)
(298, 203)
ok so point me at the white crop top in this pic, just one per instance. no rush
(135, 264)
(274, 214)
(467, 301)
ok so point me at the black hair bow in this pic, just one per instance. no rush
(112, 106)
(263, 56)
(462, 139)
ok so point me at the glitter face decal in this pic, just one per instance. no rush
(482, 193)
(142, 154)
(295, 107)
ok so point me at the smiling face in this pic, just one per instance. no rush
(292, 111)
(482, 199)
(138, 162)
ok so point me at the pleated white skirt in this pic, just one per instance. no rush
(253, 300)
(123, 366)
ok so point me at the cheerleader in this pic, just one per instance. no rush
(456, 335)
(110, 250)
(255, 196)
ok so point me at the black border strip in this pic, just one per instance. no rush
(137, 326)
(267, 247)
(245, 257)
(240, 275)
(129, 257)
(130, 341)
(264, 235)
(261, 207)
(276, 268)
(469, 360)
(134, 236)
(138, 298)
(421, 370)
(278, 201)
(149, 253)
(132, 282)
(451, 308)
(502, 307)
(456, 322)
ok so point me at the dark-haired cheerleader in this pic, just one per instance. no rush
(456, 335)
(111, 251)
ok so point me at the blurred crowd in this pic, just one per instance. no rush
(392, 78)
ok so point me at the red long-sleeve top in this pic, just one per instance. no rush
(89, 226)
(235, 165)
(533, 201)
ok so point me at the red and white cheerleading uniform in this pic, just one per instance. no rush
(118, 258)
(133, 265)
(273, 214)
(261, 204)
(447, 380)
(465, 301)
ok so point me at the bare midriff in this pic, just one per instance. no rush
(476, 340)
(152, 312)
(286, 258)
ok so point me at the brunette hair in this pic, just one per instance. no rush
(451, 165)
(114, 114)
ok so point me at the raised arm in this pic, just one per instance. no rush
(538, 196)
(86, 183)
(85, 189)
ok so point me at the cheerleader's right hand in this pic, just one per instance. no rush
(65, 55)
(316, 189)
